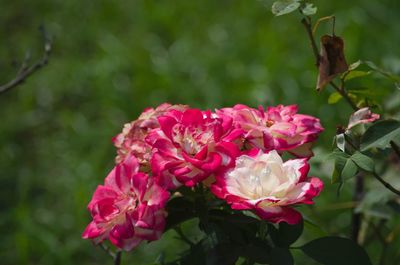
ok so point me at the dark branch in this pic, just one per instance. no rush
(387, 185)
(358, 195)
(25, 70)
(117, 258)
(395, 148)
(343, 93)
(307, 24)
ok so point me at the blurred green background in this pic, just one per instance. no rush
(112, 59)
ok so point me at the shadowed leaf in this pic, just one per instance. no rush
(335, 251)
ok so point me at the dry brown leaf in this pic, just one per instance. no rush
(332, 60)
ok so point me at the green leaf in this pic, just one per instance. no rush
(237, 218)
(364, 162)
(283, 7)
(314, 229)
(334, 98)
(179, 210)
(349, 169)
(257, 251)
(280, 256)
(355, 74)
(380, 134)
(286, 234)
(394, 78)
(354, 65)
(337, 154)
(341, 142)
(363, 91)
(203, 253)
(335, 251)
(232, 229)
(309, 9)
(340, 162)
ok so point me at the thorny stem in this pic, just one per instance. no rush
(25, 71)
(341, 90)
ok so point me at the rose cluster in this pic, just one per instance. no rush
(236, 152)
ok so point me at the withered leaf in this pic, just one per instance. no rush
(332, 60)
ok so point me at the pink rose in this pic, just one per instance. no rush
(363, 115)
(263, 183)
(279, 128)
(190, 145)
(128, 209)
(131, 139)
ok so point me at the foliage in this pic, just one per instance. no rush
(112, 59)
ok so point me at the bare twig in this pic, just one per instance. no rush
(25, 70)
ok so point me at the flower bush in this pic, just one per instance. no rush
(242, 172)
(234, 151)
